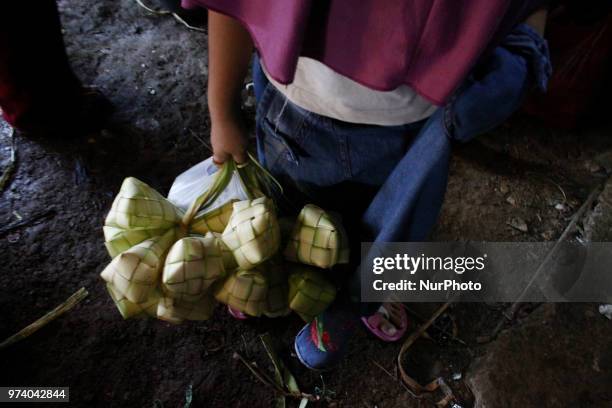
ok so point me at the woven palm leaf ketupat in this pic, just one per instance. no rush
(130, 309)
(140, 229)
(213, 221)
(118, 240)
(176, 311)
(138, 213)
(246, 291)
(276, 301)
(229, 262)
(139, 206)
(252, 233)
(135, 273)
(169, 262)
(192, 265)
(317, 239)
(309, 292)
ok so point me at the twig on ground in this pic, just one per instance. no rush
(270, 383)
(558, 187)
(186, 24)
(412, 338)
(152, 10)
(324, 392)
(10, 167)
(80, 172)
(377, 364)
(509, 316)
(217, 343)
(169, 13)
(244, 342)
(201, 140)
(68, 304)
(435, 326)
(27, 221)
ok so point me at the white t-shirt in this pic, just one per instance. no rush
(319, 89)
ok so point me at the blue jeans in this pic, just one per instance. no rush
(388, 182)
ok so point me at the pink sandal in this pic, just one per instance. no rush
(237, 314)
(373, 324)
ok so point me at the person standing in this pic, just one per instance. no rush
(358, 106)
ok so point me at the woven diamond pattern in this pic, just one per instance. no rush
(176, 311)
(213, 221)
(139, 206)
(276, 301)
(135, 273)
(192, 265)
(252, 234)
(229, 262)
(317, 239)
(245, 291)
(309, 292)
(130, 309)
(118, 240)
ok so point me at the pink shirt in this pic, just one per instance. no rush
(429, 45)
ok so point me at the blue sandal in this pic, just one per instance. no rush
(322, 343)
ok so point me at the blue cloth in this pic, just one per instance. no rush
(497, 86)
(388, 182)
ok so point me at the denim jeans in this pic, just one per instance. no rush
(388, 182)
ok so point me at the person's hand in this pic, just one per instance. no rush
(229, 139)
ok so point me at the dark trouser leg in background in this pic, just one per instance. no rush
(35, 78)
(38, 90)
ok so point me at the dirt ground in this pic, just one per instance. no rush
(522, 182)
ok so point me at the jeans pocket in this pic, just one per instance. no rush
(273, 156)
(283, 125)
(275, 147)
(271, 145)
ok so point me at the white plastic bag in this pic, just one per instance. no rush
(195, 181)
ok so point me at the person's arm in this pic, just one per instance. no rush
(230, 50)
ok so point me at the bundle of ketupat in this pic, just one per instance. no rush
(317, 239)
(166, 259)
(172, 263)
